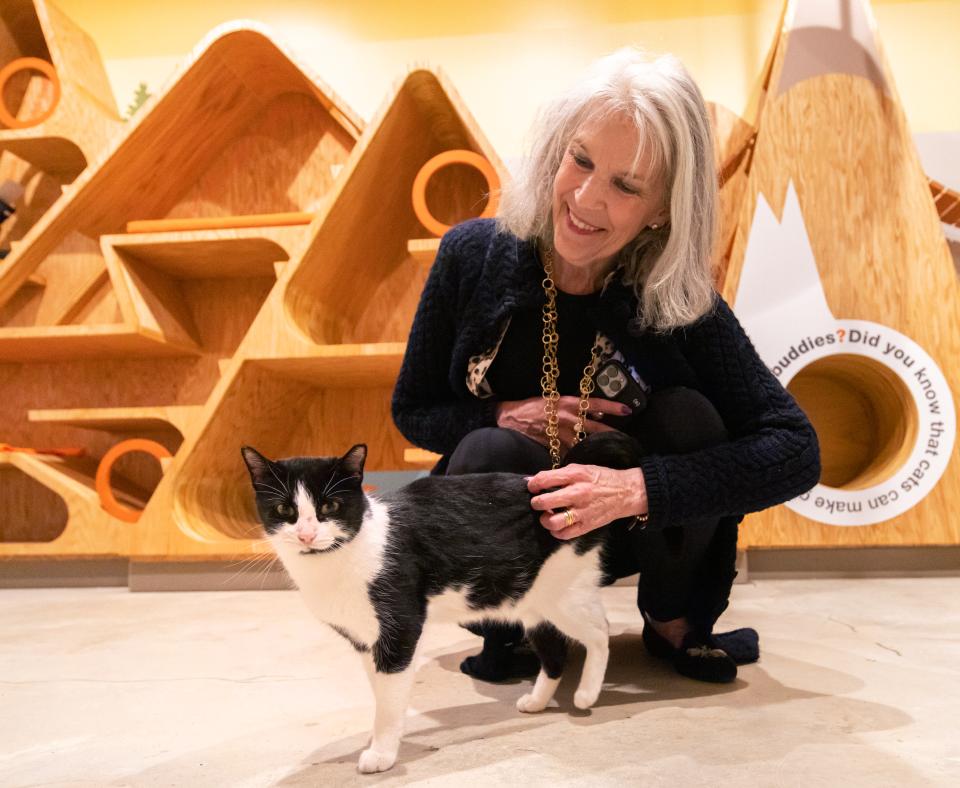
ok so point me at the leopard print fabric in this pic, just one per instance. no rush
(478, 365)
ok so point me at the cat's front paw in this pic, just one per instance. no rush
(584, 699)
(530, 704)
(372, 761)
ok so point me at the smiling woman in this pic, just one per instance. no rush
(599, 262)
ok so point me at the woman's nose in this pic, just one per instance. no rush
(589, 193)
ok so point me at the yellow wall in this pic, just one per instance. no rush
(505, 56)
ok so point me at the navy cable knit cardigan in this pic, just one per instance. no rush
(481, 276)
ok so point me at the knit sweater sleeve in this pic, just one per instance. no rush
(429, 410)
(772, 454)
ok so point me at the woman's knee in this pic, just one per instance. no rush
(492, 449)
(681, 420)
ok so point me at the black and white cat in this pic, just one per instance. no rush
(462, 548)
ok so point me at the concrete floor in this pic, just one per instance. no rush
(858, 684)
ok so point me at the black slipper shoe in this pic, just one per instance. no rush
(697, 658)
(743, 645)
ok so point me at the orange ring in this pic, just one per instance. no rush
(12, 68)
(107, 499)
(444, 159)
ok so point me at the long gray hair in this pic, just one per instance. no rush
(669, 268)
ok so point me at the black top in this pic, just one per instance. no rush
(481, 278)
(518, 367)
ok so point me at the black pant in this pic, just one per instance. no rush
(686, 569)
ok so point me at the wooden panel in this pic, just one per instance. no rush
(878, 243)
(202, 254)
(423, 250)
(88, 531)
(62, 343)
(122, 420)
(422, 119)
(733, 143)
(32, 512)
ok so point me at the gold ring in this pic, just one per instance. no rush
(568, 515)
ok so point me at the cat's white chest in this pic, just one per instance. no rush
(335, 587)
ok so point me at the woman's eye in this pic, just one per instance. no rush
(284, 510)
(581, 161)
(329, 507)
(627, 188)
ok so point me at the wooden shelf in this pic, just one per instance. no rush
(121, 420)
(420, 458)
(67, 343)
(54, 155)
(202, 254)
(423, 250)
(342, 366)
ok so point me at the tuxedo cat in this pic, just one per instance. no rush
(463, 548)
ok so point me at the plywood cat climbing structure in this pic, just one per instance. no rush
(840, 272)
(128, 334)
(316, 370)
(288, 337)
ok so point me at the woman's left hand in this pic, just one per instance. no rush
(589, 495)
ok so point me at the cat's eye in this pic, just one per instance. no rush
(284, 510)
(329, 507)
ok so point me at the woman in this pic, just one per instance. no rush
(601, 250)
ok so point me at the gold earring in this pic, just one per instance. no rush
(654, 226)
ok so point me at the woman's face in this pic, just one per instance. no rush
(600, 202)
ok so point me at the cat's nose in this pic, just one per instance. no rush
(306, 535)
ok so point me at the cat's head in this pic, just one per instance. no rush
(309, 505)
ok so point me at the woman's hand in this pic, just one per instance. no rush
(526, 416)
(591, 496)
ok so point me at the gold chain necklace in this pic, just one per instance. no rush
(551, 369)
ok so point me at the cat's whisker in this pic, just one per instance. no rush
(332, 490)
(283, 484)
(249, 564)
(270, 488)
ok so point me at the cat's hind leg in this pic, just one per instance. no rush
(551, 648)
(585, 620)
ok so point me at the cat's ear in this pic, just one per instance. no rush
(257, 464)
(351, 463)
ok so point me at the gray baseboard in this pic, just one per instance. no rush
(207, 576)
(755, 564)
(67, 573)
(854, 562)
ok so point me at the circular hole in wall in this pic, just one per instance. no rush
(456, 193)
(864, 416)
